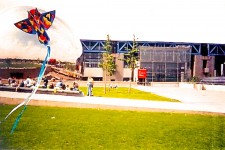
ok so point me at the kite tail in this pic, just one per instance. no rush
(27, 100)
(18, 119)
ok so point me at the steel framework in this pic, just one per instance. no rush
(94, 46)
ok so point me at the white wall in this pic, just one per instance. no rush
(214, 87)
(126, 72)
(186, 85)
(93, 72)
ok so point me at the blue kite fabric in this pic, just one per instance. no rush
(36, 23)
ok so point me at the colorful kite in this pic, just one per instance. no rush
(36, 23)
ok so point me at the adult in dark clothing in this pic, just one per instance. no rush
(45, 83)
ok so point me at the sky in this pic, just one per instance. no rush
(194, 21)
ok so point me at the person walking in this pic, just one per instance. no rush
(90, 83)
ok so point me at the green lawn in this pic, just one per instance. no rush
(122, 92)
(74, 128)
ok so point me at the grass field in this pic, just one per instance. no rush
(122, 92)
(74, 128)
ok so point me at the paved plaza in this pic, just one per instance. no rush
(192, 100)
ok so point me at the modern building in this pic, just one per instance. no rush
(166, 64)
(197, 59)
(163, 61)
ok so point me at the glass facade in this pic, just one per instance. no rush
(166, 64)
(92, 60)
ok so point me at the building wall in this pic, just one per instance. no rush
(198, 63)
(5, 73)
(93, 72)
(210, 65)
(118, 75)
(126, 72)
(199, 70)
(98, 72)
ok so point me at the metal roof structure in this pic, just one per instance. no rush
(209, 49)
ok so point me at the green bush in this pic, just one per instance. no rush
(195, 79)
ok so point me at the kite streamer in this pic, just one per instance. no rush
(36, 23)
(27, 100)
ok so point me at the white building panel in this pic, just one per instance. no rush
(93, 72)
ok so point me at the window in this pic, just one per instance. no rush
(92, 60)
(164, 64)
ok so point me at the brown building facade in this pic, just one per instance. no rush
(204, 66)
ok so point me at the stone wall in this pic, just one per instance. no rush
(5, 73)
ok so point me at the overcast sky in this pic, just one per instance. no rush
(150, 20)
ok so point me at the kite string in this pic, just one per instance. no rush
(27, 100)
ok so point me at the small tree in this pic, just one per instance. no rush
(107, 63)
(131, 59)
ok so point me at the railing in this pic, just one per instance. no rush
(213, 80)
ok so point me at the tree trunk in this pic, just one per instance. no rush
(131, 78)
(132, 75)
(105, 82)
(109, 83)
(129, 87)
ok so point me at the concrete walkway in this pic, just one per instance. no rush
(191, 100)
(212, 101)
